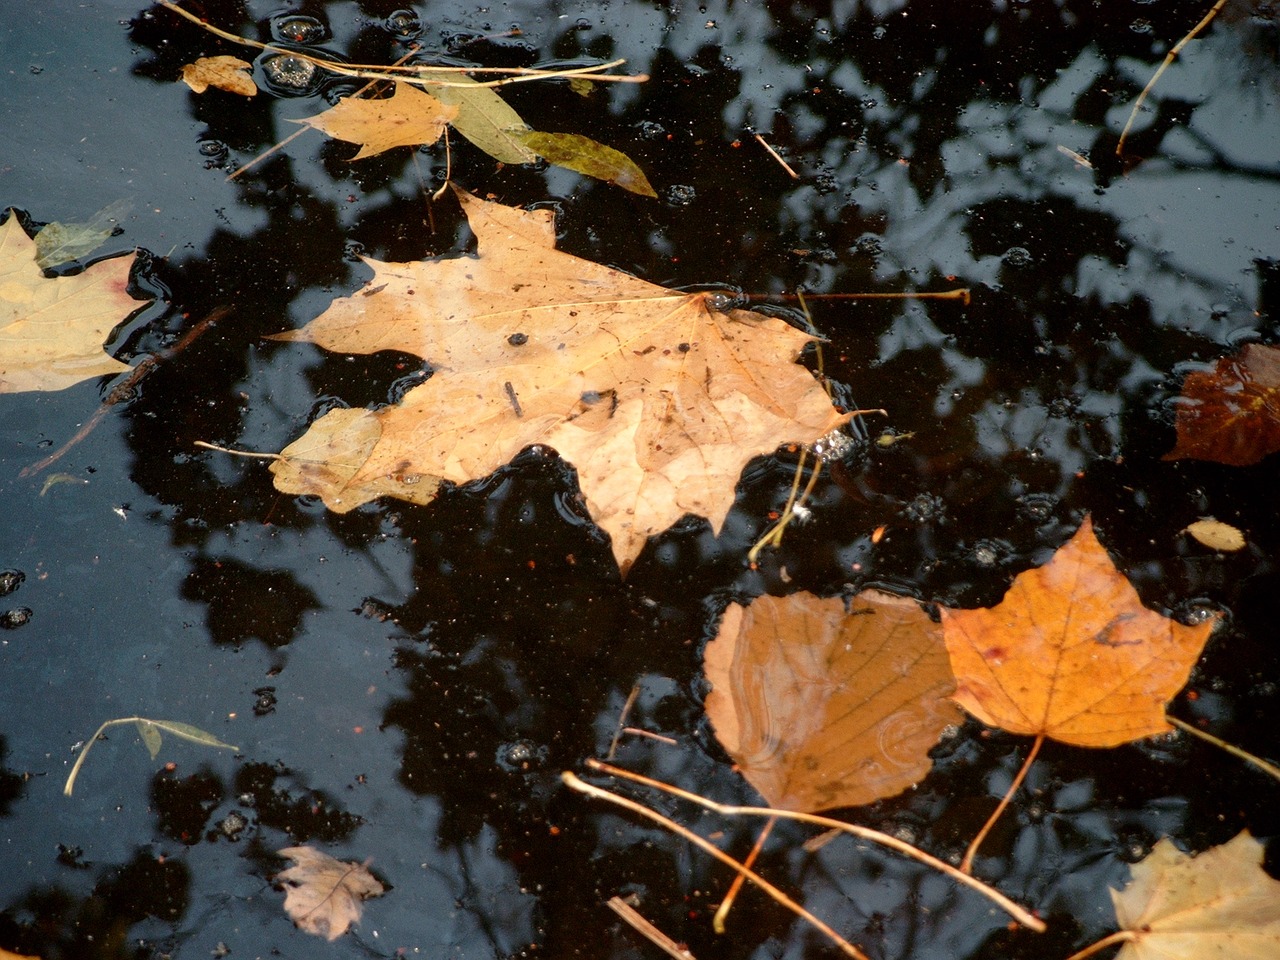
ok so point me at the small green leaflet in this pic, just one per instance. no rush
(149, 730)
(483, 117)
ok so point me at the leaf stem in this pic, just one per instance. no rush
(966, 865)
(1122, 936)
(183, 731)
(874, 836)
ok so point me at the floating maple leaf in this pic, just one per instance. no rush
(226, 73)
(52, 329)
(323, 895)
(657, 398)
(1071, 652)
(1220, 903)
(407, 118)
(1231, 414)
(822, 706)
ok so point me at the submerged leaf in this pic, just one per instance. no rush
(407, 118)
(1220, 903)
(822, 706)
(323, 895)
(52, 329)
(1231, 414)
(58, 243)
(575, 152)
(1071, 653)
(150, 737)
(483, 117)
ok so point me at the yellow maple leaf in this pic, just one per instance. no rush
(52, 329)
(407, 118)
(656, 397)
(323, 895)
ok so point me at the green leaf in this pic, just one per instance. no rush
(151, 737)
(483, 117)
(63, 242)
(187, 732)
(585, 155)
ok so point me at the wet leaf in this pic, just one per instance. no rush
(407, 118)
(585, 155)
(483, 117)
(822, 707)
(1231, 414)
(150, 732)
(657, 399)
(52, 329)
(1220, 903)
(58, 243)
(10, 955)
(150, 737)
(1216, 535)
(324, 896)
(226, 73)
(325, 460)
(1071, 652)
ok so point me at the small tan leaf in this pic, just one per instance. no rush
(1219, 904)
(408, 118)
(151, 737)
(823, 707)
(575, 152)
(325, 460)
(323, 895)
(1216, 535)
(226, 73)
(52, 329)
(484, 118)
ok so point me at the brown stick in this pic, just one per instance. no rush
(967, 863)
(574, 783)
(647, 930)
(121, 391)
(1024, 917)
(717, 922)
(960, 293)
(1168, 60)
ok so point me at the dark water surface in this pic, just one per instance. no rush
(405, 684)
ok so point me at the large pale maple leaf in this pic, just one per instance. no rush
(657, 398)
(52, 328)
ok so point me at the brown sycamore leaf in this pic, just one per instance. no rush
(822, 706)
(226, 73)
(407, 118)
(1071, 653)
(1219, 904)
(1231, 414)
(323, 895)
(657, 398)
(52, 329)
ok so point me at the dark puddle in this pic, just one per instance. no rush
(406, 684)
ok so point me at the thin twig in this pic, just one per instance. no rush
(874, 836)
(774, 153)
(622, 719)
(1235, 751)
(638, 732)
(124, 389)
(575, 783)
(1122, 936)
(966, 864)
(380, 72)
(722, 912)
(960, 293)
(647, 930)
(1168, 60)
(238, 453)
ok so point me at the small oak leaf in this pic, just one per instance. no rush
(323, 895)
(226, 73)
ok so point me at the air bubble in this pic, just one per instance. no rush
(10, 580)
(681, 195)
(405, 24)
(15, 618)
(293, 28)
(1018, 257)
(1037, 506)
(519, 756)
(288, 74)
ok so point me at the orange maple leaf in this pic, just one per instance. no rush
(407, 118)
(1231, 414)
(1071, 653)
(657, 398)
(823, 706)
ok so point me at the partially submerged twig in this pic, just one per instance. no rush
(150, 731)
(1245, 755)
(647, 930)
(722, 912)
(967, 863)
(1018, 913)
(777, 156)
(1168, 60)
(574, 783)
